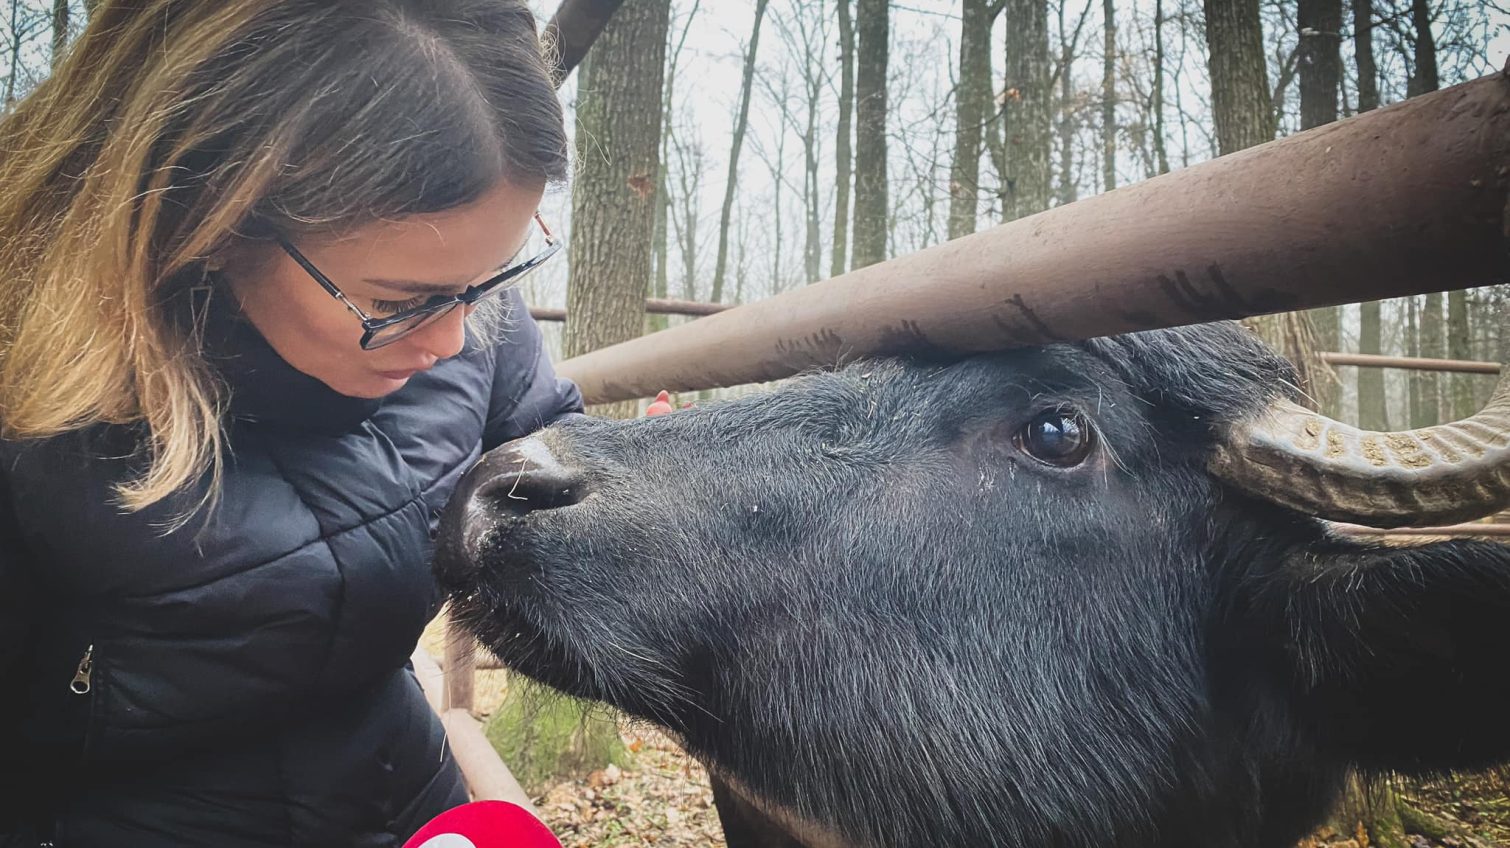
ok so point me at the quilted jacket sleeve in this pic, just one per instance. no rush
(17, 604)
(16, 593)
(527, 394)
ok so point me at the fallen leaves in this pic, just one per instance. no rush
(660, 799)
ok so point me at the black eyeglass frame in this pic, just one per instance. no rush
(440, 303)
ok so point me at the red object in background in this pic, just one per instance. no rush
(660, 406)
(484, 824)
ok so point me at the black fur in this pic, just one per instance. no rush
(861, 599)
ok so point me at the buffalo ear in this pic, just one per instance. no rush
(1397, 658)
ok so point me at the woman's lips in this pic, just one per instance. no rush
(400, 375)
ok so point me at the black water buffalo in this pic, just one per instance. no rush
(1067, 596)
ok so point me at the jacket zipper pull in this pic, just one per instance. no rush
(80, 684)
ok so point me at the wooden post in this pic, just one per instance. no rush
(461, 658)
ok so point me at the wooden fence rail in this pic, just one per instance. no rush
(1411, 363)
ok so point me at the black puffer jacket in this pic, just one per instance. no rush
(247, 679)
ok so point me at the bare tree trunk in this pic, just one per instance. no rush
(1460, 392)
(1243, 111)
(1425, 77)
(1108, 96)
(1067, 192)
(15, 55)
(1373, 410)
(689, 177)
(972, 98)
(1363, 51)
(1240, 97)
(813, 244)
(1320, 60)
(618, 138)
(778, 179)
(1177, 84)
(740, 123)
(741, 268)
(1415, 380)
(873, 29)
(618, 156)
(1025, 109)
(843, 150)
(1158, 87)
(59, 31)
(1432, 341)
(809, 42)
(1065, 109)
(660, 286)
(1433, 346)
(1373, 413)
(1320, 69)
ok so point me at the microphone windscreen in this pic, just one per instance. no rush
(484, 824)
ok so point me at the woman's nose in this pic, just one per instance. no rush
(445, 337)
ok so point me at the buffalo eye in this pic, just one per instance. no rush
(1059, 437)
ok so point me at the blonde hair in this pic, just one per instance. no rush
(176, 129)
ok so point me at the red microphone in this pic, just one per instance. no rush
(484, 824)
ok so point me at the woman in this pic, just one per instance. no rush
(240, 243)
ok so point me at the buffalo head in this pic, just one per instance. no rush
(1069, 596)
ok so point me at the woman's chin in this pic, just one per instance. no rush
(369, 385)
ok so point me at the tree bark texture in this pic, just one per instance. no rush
(1415, 404)
(618, 167)
(812, 253)
(1108, 95)
(1425, 77)
(1241, 102)
(1373, 413)
(1025, 109)
(972, 100)
(1244, 114)
(843, 145)
(59, 30)
(1065, 190)
(741, 121)
(1160, 152)
(660, 287)
(1460, 386)
(1363, 52)
(871, 207)
(1319, 60)
(1428, 409)
(1432, 346)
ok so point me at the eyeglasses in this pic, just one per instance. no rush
(379, 332)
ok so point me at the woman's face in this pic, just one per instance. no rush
(382, 267)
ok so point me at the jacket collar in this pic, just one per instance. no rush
(264, 388)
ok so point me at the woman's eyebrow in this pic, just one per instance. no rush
(416, 287)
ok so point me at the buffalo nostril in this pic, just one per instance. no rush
(527, 477)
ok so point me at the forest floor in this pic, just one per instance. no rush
(660, 797)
